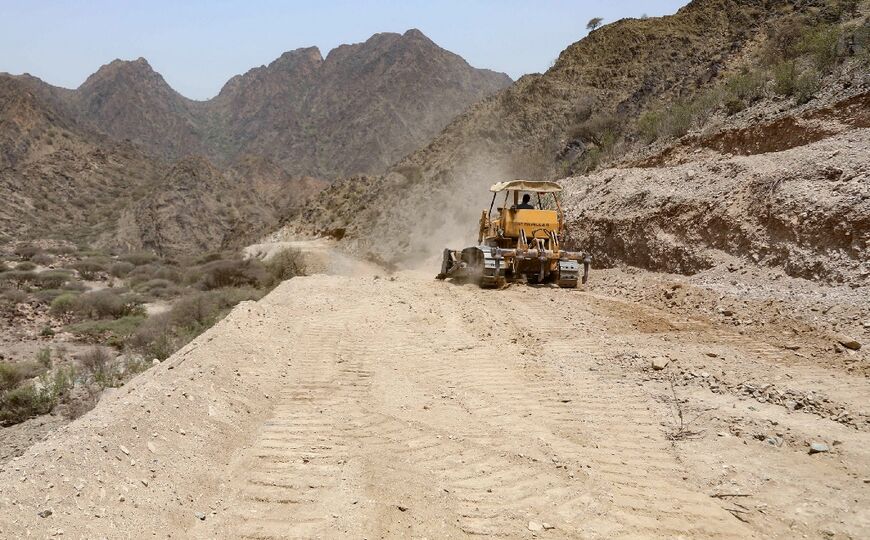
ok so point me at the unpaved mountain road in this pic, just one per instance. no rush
(403, 407)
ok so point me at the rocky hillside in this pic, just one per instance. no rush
(56, 176)
(197, 208)
(59, 178)
(629, 91)
(100, 161)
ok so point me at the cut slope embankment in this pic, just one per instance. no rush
(805, 210)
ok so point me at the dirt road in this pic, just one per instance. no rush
(341, 407)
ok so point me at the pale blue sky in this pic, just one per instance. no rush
(197, 45)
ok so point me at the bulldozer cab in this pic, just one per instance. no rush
(503, 226)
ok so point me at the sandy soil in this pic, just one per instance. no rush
(403, 407)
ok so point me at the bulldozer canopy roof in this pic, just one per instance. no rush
(527, 185)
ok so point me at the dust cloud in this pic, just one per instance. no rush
(447, 212)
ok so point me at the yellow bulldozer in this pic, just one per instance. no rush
(521, 242)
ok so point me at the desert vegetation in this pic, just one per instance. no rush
(790, 65)
(101, 318)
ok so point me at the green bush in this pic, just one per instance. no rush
(785, 75)
(47, 296)
(806, 86)
(64, 305)
(55, 385)
(25, 266)
(114, 333)
(747, 86)
(43, 357)
(147, 272)
(11, 375)
(649, 125)
(821, 43)
(22, 403)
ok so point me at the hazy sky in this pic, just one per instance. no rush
(197, 45)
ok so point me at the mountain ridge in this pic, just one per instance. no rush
(284, 109)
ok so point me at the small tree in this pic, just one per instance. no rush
(594, 23)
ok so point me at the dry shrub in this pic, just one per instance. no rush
(89, 269)
(121, 268)
(19, 278)
(163, 334)
(103, 304)
(155, 338)
(52, 279)
(97, 363)
(231, 273)
(158, 288)
(139, 258)
(287, 263)
(42, 259)
(147, 272)
(25, 266)
(26, 252)
(601, 129)
(11, 297)
(62, 249)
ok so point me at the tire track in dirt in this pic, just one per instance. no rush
(405, 409)
(296, 466)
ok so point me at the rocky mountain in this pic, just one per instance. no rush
(356, 111)
(129, 100)
(629, 89)
(124, 139)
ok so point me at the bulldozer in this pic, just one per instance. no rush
(521, 242)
